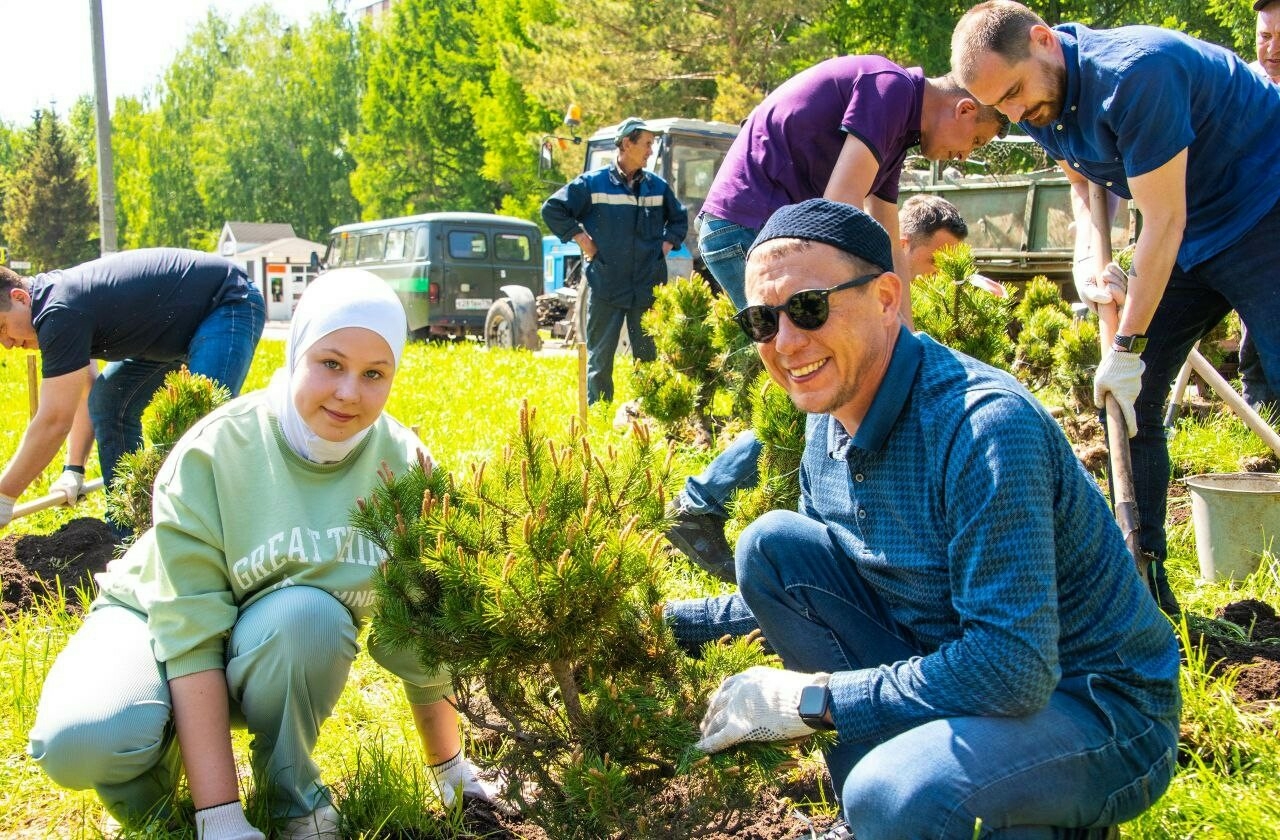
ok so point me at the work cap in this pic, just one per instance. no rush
(627, 126)
(840, 225)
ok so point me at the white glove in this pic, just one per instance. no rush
(225, 822)
(1120, 374)
(1117, 282)
(759, 704)
(1094, 287)
(70, 484)
(458, 776)
(6, 509)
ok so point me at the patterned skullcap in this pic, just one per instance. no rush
(842, 226)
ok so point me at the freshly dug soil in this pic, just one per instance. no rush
(31, 565)
(772, 819)
(1254, 648)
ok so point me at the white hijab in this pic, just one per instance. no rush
(345, 297)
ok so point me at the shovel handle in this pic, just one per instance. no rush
(52, 500)
(1121, 462)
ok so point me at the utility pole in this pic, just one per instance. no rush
(106, 172)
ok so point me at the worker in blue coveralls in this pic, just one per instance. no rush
(626, 220)
(1157, 116)
(953, 597)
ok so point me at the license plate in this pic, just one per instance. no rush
(472, 303)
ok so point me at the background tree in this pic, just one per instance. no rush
(418, 148)
(266, 150)
(9, 140)
(49, 209)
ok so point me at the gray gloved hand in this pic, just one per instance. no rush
(70, 484)
(1085, 276)
(225, 822)
(1120, 374)
(6, 509)
(758, 704)
(1116, 281)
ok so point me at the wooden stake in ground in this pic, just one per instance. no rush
(33, 386)
(1123, 497)
(582, 383)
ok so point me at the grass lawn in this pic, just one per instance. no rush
(464, 402)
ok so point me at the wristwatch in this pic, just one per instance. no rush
(1129, 343)
(815, 702)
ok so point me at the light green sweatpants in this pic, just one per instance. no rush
(105, 717)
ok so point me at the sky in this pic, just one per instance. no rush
(48, 55)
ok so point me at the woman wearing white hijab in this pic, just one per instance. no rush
(244, 600)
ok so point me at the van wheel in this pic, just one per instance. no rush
(500, 328)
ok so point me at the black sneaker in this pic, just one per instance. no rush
(700, 537)
(838, 830)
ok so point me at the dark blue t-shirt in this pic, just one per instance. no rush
(1138, 95)
(144, 304)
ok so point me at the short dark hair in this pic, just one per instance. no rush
(923, 215)
(951, 88)
(1000, 27)
(9, 279)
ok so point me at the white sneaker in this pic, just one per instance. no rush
(320, 824)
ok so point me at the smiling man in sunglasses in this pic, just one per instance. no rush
(953, 598)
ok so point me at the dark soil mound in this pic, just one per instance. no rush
(1251, 643)
(772, 818)
(31, 565)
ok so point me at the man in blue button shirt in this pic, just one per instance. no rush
(1187, 131)
(953, 597)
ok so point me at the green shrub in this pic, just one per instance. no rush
(184, 398)
(536, 579)
(704, 363)
(956, 313)
(1041, 315)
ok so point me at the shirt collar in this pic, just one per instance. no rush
(622, 176)
(888, 403)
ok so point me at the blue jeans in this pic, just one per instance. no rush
(1087, 759)
(221, 349)
(1242, 278)
(1253, 379)
(738, 466)
(604, 328)
(724, 245)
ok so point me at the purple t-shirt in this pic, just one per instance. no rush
(789, 145)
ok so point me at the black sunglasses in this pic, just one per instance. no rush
(808, 310)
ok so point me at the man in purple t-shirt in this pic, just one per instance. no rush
(839, 130)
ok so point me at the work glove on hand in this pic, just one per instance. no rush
(71, 484)
(6, 509)
(225, 822)
(1116, 281)
(1085, 277)
(1112, 284)
(758, 704)
(1120, 374)
(459, 777)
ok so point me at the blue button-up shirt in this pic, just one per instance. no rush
(1138, 95)
(963, 506)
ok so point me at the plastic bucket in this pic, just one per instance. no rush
(1236, 516)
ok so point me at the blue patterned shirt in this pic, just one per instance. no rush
(965, 509)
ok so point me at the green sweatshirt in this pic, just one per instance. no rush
(238, 514)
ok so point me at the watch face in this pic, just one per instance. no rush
(813, 702)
